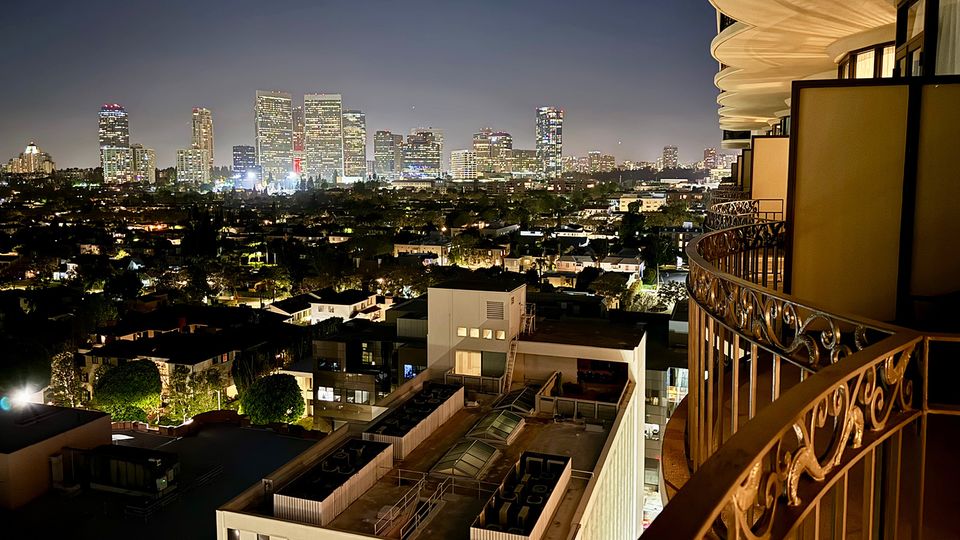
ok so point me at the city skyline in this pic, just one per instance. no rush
(392, 96)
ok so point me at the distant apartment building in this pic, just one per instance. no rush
(550, 141)
(202, 137)
(463, 164)
(192, 166)
(387, 154)
(670, 159)
(323, 136)
(354, 145)
(501, 150)
(274, 133)
(437, 136)
(298, 137)
(117, 163)
(600, 162)
(114, 126)
(31, 161)
(144, 164)
(710, 159)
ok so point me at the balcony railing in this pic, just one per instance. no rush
(733, 213)
(798, 420)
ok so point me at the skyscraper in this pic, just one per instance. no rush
(274, 133)
(421, 155)
(599, 162)
(501, 150)
(114, 126)
(354, 144)
(32, 160)
(524, 163)
(323, 136)
(550, 140)
(463, 164)
(670, 157)
(203, 132)
(117, 163)
(144, 164)
(437, 135)
(481, 147)
(192, 166)
(244, 160)
(710, 160)
(298, 140)
(387, 154)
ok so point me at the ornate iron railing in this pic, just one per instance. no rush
(738, 212)
(765, 450)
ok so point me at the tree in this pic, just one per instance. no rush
(612, 286)
(274, 398)
(127, 388)
(66, 387)
(193, 393)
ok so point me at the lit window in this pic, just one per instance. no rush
(501, 335)
(475, 332)
(468, 363)
(462, 331)
(325, 393)
(487, 333)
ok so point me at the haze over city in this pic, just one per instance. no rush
(631, 76)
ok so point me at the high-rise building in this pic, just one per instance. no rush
(670, 158)
(550, 140)
(501, 150)
(244, 160)
(481, 148)
(144, 164)
(437, 134)
(31, 161)
(710, 160)
(599, 162)
(274, 133)
(387, 154)
(463, 165)
(192, 166)
(114, 126)
(575, 164)
(354, 144)
(117, 163)
(323, 136)
(203, 132)
(298, 140)
(421, 155)
(524, 163)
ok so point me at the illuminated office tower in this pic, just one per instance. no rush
(710, 160)
(114, 126)
(670, 157)
(524, 163)
(421, 155)
(354, 144)
(600, 162)
(463, 164)
(244, 160)
(550, 140)
(274, 133)
(323, 136)
(298, 140)
(203, 132)
(144, 164)
(192, 166)
(501, 150)
(387, 154)
(437, 134)
(481, 148)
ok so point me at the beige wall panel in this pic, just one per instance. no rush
(746, 166)
(847, 198)
(771, 157)
(936, 259)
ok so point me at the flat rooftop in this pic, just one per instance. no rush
(588, 333)
(462, 506)
(24, 426)
(333, 470)
(405, 417)
(487, 285)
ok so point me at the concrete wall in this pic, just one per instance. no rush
(449, 309)
(771, 159)
(25, 474)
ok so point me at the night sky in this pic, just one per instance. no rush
(635, 71)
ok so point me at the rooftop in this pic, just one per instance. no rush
(343, 462)
(25, 426)
(175, 348)
(588, 333)
(488, 285)
(343, 298)
(405, 417)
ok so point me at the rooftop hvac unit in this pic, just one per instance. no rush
(505, 514)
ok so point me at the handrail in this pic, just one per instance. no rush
(775, 455)
(731, 213)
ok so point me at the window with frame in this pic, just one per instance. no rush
(462, 331)
(468, 363)
(474, 332)
(501, 335)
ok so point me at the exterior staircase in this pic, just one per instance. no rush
(527, 326)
